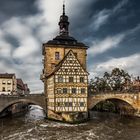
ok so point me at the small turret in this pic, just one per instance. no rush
(64, 23)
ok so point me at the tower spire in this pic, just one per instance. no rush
(64, 7)
(64, 23)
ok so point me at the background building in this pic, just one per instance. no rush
(136, 84)
(22, 89)
(9, 85)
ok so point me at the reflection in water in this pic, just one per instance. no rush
(102, 126)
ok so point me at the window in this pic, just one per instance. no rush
(3, 89)
(57, 56)
(68, 104)
(64, 90)
(83, 90)
(9, 82)
(8, 89)
(52, 65)
(70, 79)
(81, 79)
(60, 79)
(75, 54)
(59, 90)
(3, 82)
(81, 104)
(73, 90)
(58, 104)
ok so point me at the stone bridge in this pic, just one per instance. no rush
(35, 99)
(132, 99)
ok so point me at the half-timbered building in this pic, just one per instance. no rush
(64, 75)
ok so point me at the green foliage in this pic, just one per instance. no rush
(117, 80)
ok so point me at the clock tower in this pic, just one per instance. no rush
(65, 75)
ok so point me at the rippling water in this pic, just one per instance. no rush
(102, 126)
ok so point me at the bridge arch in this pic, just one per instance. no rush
(95, 102)
(28, 101)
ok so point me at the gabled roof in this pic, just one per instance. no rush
(58, 66)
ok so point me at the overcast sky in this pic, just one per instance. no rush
(111, 28)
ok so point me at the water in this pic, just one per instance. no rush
(102, 126)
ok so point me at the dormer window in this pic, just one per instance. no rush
(57, 56)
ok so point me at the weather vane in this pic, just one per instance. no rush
(63, 2)
(64, 7)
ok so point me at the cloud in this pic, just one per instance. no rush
(24, 56)
(103, 16)
(110, 42)
(5, 48)
(105, 44)
(101, 19)
(129, 63)
(120, 5)
(29, 31)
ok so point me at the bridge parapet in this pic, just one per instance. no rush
(37, 99)
(131, 98)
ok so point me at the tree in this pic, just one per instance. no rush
(117, 80)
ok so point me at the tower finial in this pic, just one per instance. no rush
(64, 23)
(64, 7)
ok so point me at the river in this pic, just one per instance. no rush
(102, 126)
